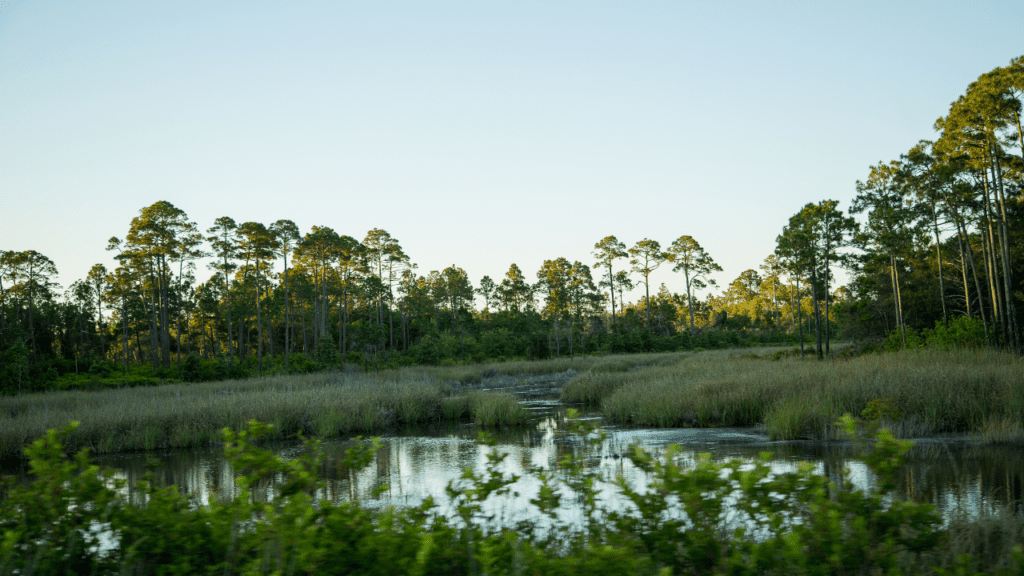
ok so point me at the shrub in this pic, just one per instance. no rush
(963, 332)
(192, 368)
(700, 518)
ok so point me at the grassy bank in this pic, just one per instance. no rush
(323, 404)
(928, 392)
(185, 415)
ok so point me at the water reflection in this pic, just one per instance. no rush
(955, 474)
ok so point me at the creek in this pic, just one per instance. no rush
(955, 473)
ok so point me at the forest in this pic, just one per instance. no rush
(931, 243)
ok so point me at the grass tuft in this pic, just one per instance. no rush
(494, 409)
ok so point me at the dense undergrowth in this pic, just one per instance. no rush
(704, 518)
(442, 350)
(931, 391)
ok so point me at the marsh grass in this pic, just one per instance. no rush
(935, 391)
(590, 387)
(474, 373)
(496, 408)
(186, 415)
(1002, 430)
(607, 376)
(988, 539)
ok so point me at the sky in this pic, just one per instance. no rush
(478, 134)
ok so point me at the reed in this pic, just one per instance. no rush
(592, 387)
(324, 404)
(607, 376)
(987, 539)
(496, 408)
(474, 373)
(185, 415)
(935, 391)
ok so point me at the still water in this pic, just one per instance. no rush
(956, 474)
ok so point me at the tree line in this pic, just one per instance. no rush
(937, 243)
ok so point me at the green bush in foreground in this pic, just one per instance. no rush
(711, 518)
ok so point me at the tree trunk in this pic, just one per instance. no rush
(817, 312)
(998, 314)
(977, 287)
(270, 323)
(177, 319)
(154, 324)
(324, 302)
(895, 299)
(391, 315)
(287, 316)
(775, 302)
(647, 300)
(572, 337)
(99, 325)
(316, 308)
(792, 306)
(800, 312)
(828, 331)
(259, 322)
(125, 342)
(938, 257)
(31, 307)
(899, 302)
(227, 303)
(241, 344)
(141, 353)
(689, 298)
(165, 325)
(611, 290)
(558, 344)
(305, 338)
(1004, 239)
(963, 270)
(344, 327)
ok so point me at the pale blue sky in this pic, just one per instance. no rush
(477, 133)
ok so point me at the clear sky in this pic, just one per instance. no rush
(476, 133)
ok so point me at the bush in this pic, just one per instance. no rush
(192, 368)
(699, 518)
(326, 354)
(963, 332)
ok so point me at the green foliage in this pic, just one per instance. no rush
(881, 409)
(895, 340)
(963, 332)
(326, 353)
(49, 526)
(704, 517)
(192, 368)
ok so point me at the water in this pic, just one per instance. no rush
(953, 473)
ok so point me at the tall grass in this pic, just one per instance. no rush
(474, 373)
(496, 408)
(605, 377)
(936, 391)
(186, 415)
